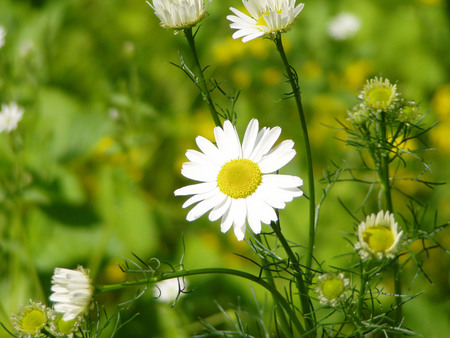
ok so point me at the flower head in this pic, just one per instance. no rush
(2, 36)
(179, 14)
(30, 320)
(332, 288)
(409, 112)
(379, 94)
(72, 292)
(235, 179)
(63, 328)
(378, 236)
(10, 115)
(359, 114)
(266, 17)
(344, 26)
(167, 291)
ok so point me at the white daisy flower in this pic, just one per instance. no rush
(2, 36)
(179, 14)
(378, 236)
(266, 17)
(10, 115)
(235, 179)
(344, 26)
(72, 292)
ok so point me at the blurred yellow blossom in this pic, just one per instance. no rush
(440, 102)
(272, 76)
(356, 73)
(241, 78)
(311, 69)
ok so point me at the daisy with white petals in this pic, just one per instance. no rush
(266, 17)
(378, 236)
(72, 292)
(235, 179)
(10, 115)
(179, 14)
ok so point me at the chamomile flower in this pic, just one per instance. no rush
(10, 115)
(167, 291)
(63, 328)
(332, 288)
(379, 94)
(378, 236)
(344, 26)
(236, 180)
(179, 14)
(72, 292)
(30, 320)
(266, 17)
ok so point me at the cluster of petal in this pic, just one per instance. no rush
(30, 320)
(72, 292)
(266, 17)
(2, 36)
(10, 115)
(344, 26)
(332, 289)
(383, 246)
(179, 14)
(167, 291)
(273, 191)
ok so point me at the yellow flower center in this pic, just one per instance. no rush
(33, 321)
(262, 20)
(239, 178)
(380, 98)
(379, 238)
(332, 287)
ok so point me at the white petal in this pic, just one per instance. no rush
(253, 217)
(282, 181)
(193, 189)
(277, 157)
(204, 206)
(220, 209)
(250, 138)
(199, 172)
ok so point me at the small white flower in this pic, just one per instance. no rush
(378, 236)
(266, 17)
(72, 292)
(344, 26)
(332, 289)
(167, 290)
(235, 179)
(10, 115)
(179, 14)
(2, 36)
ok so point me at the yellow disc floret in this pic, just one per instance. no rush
(239, 178)
(379, 94)
(378, 238)
(33, 321)
(332, 287)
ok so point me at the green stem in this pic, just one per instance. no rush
(302, 289)
(271, 281)
(383, 173)
(184, 273)
(201, 82)
(312, 203)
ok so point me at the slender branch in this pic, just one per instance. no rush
(207, 271)
(383, 173)
(311, 192)
(202, 83)
(302, 289)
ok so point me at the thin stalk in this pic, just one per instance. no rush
(383, 173)
(201, 78)
(207, 271)
(293, 80)
(271, 281)
(299, 281)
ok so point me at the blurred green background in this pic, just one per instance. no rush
(88, 176)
